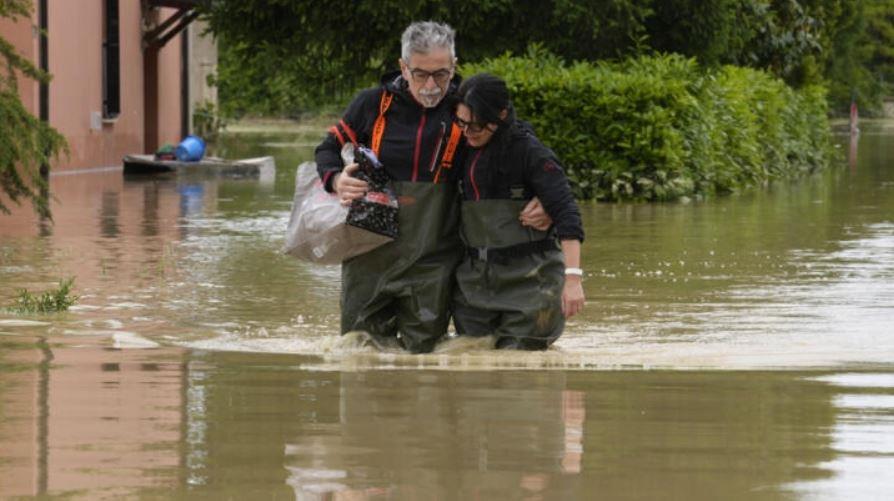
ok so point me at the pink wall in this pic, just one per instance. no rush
(75, 59)
(169, 88)
(23, 37)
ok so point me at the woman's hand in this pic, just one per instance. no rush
(534, 216)
(573, 293)
(572, 296)
(348, 187)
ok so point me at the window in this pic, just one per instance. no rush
(111, 61)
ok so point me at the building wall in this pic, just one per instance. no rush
(23, 36)
(75, 30)
(169, 88)
(202, 63)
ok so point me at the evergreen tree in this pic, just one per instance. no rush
(880, 40)
(287, 56)
(26, 143)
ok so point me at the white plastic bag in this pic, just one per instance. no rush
(317, 231)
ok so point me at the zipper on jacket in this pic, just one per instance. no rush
(438, 144)
(418, 151)
(472, 174)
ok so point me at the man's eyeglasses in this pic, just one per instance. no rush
(441, 76)
(473, 127)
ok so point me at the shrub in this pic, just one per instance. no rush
(661, 127)
(55, 300)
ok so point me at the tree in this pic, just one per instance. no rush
(26, 143)
(880, 41)
(289, 55)
(709, 30)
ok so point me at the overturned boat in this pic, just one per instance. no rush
(261, 168)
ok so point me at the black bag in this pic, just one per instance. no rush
(377, 210)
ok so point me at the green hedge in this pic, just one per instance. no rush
(660, 127)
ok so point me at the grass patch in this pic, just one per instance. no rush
(51, 301)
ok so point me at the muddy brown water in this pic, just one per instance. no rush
(736, 348)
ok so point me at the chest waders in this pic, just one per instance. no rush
(405, 285)
(510, 282)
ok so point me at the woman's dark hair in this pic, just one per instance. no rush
(487, 96)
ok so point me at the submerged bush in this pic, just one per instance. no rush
(47, 302)
(661, 127)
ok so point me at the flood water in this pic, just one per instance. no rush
(735, 348)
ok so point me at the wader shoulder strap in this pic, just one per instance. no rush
(349, 132)
(343, 126)
(343, 132)
(335, 132)
(379, 125)
(450, 150)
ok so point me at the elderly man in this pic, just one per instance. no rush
(401, 290)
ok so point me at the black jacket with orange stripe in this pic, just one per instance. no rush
(413, 141)
(515, 165)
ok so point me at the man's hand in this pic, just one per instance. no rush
(534, 216)
(348, 187)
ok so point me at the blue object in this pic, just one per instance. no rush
(191, 149)
(371, 156)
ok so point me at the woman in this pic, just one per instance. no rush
(515, 282)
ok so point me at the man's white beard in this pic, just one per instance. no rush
(430, 98)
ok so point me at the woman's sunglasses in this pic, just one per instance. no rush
(473, 127)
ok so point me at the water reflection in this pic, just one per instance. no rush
(158, 255)
(151, 204)
(420, 435)
(192, 200)
(862, 437)
(86, 422)
(82, 421)
(108, 215)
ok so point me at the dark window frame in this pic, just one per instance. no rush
(111, 60)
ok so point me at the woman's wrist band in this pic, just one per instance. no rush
(574, 271)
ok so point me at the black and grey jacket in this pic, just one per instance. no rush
(414, 138)
(520, 167)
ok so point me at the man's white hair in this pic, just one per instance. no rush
(423, 36)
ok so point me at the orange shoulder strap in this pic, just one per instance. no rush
(450, 150)
(379, 126)
(347, 128)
